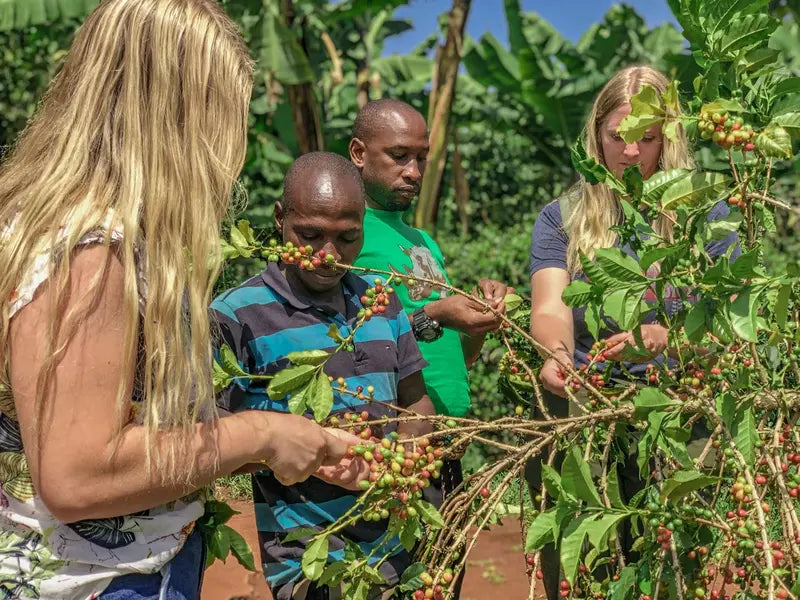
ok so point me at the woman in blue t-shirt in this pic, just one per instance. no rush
(580, 223)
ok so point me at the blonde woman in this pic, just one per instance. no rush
(580, 223)
(110, 208)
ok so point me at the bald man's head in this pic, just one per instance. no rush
(390, 148)
(377, 115)
(314, 174)
(323, 207)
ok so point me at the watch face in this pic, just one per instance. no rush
(428, 334)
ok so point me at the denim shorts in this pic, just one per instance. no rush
(181, 579)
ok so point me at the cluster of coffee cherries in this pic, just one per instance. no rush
(595, 377)
(375, 299)
(686, 268)
(663, 523)
(789, 463)
(431, 591)
(737, 201)
(704, 377)
(745, 542)
(397, 473)
(302, 256)
(726, 130)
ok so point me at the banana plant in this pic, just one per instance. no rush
(18, 14)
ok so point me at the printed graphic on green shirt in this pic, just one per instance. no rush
(423, 265)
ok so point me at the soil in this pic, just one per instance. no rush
(496, 565)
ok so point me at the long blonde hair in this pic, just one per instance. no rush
(595, 208)
(145, 124)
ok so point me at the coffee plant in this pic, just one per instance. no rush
(712, 423)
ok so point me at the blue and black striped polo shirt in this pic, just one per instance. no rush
(263, 320)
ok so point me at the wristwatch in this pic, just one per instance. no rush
(425, 329)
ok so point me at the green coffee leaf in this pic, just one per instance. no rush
(685, 482)
(540, 532)
(229, 251)
(230, 364)
(696, 323)
(333, 333)
(356, 589)
(670, 129)
(240, 549)
(660, 253)
(747, 31)
(576, 478)
(593, 321)
(314, 558)
(743, 314)
(512, 302)
(632, 178)
(247, 232)
(220, 542)
(429, 514)
(333, 574)
(620, 265)
(308, 357)
(612, 488)
(723, 105)
(300, 533)
(694, 190)
(597, 275)
(775, 141)
(632, 128)
(648, 400)
(571, 546)
(373, 576)
(789, 121)
(551, 480)
(743, 430)
(219, 512)
(781, 312)
(623, 588)
(747, 266)
(591, 170)
(290, 379)
(577, 293)
(409, 580)
(623, 306)
(238, 240)
(671, 97)
(320, 397)
(220, 378)
(598, 530)
(298, 400)
(410, 533)
(719, 229)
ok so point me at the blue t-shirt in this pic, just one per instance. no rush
(549, 249)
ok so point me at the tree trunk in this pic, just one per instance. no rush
(446, 75)
(303, 102)
(461, 186)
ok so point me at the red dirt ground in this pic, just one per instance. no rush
(495, 566)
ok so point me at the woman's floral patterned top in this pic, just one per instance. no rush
(41, 557)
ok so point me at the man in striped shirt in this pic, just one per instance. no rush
(285, 309)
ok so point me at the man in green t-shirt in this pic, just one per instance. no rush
(390, 147)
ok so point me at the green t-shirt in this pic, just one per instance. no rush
(390, 243)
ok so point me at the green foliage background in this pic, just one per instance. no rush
(517, 111)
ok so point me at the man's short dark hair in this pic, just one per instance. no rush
(308, 166)
(372, 116)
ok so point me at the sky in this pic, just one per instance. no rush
(570, 17)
